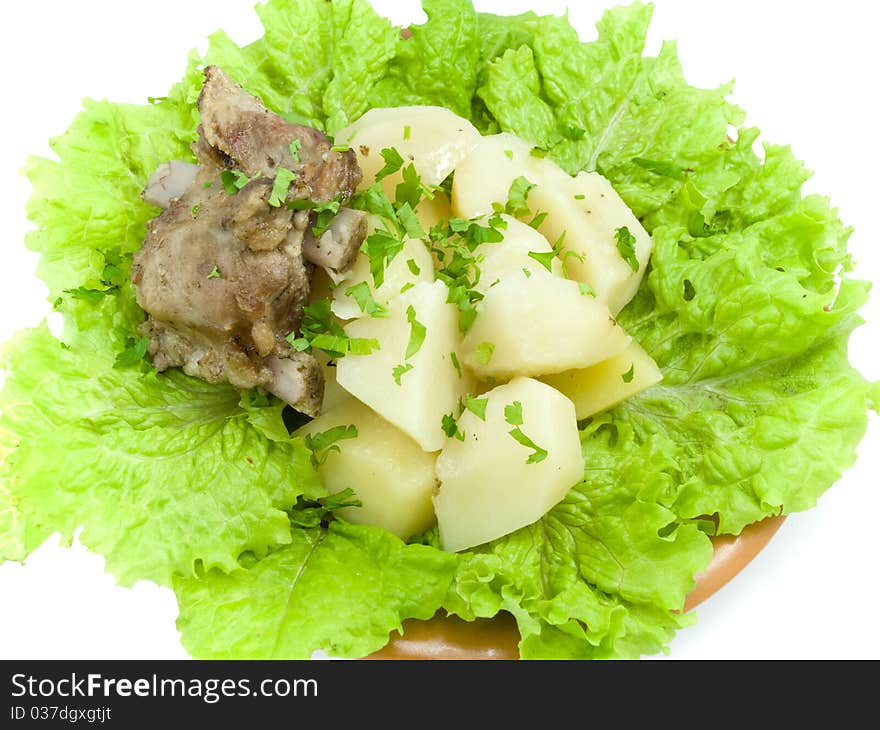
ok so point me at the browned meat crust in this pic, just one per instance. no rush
(222, 276)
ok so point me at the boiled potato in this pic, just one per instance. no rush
(413, 264)
(603, 386)
(539, 325)
(431, 385)
(433, 138)
(485, 175)
(498, 261)
(334, 394)
(390, 474)
(431, 211)
(589, 212)
(488, 487)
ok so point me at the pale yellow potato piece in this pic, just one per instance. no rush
(485, 175)
(432, 387)
(436, 143)
(391, 475)
(334, 394)
(590, 226)
(398, 276)
(431, 211)
(499, 261)
(540, 325)
(487, 487)
(603, 386)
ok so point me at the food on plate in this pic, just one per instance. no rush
(565, 338)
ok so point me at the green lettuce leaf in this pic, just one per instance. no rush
(437, 65)
(366, 579)
(162, 472)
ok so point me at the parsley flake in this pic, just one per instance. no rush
(399, 371)
(484, 353)
(626, 246)
(295, 147)
(133, 354)
(450, 427)
(233, 180)
(283, 180)
(545, 259)
(323, 443)
(629, 374)
(477, 406)
(362, 294)
(455, 363)
(416, 334)
(393, 162)
(215, 273)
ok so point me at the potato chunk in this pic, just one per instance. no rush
(491, 483)
(539, 325)
(415, 392)
(510, 257)
(390, 474)
(603, 386)
(434, 139)
(589, 212)
(485, 175)
(413, 264)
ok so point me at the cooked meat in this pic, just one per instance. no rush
(222, 275)
(336, 248)
(238, 126)
(169, 182)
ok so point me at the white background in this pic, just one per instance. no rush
(806, 73)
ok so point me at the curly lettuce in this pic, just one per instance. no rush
(747, 308)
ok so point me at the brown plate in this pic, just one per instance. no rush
(448, 637)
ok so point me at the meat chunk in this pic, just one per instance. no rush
(221, 274)
(241, 129)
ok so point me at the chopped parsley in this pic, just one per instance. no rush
(194, 211)
(509, 154)
(545, 259)
(477, 406)
(399, 371)
(319, 331)
(416, 334)
(513, 414)
(393, 162)
(215, 273)
(580, 196)
(586, 290)
(295, 147)
(233, 180)
(450, 427)
(340, 148)
(322, 510)
(484, 353)
(283, 180)
(538, 454)
(455, 363)
(518, 196)
(413, 267)
(410, 222)
(626, 246)
(362, 294)
(629, 374)
(380, 248)
(406, 131)
(323, 443)
(132, 354)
